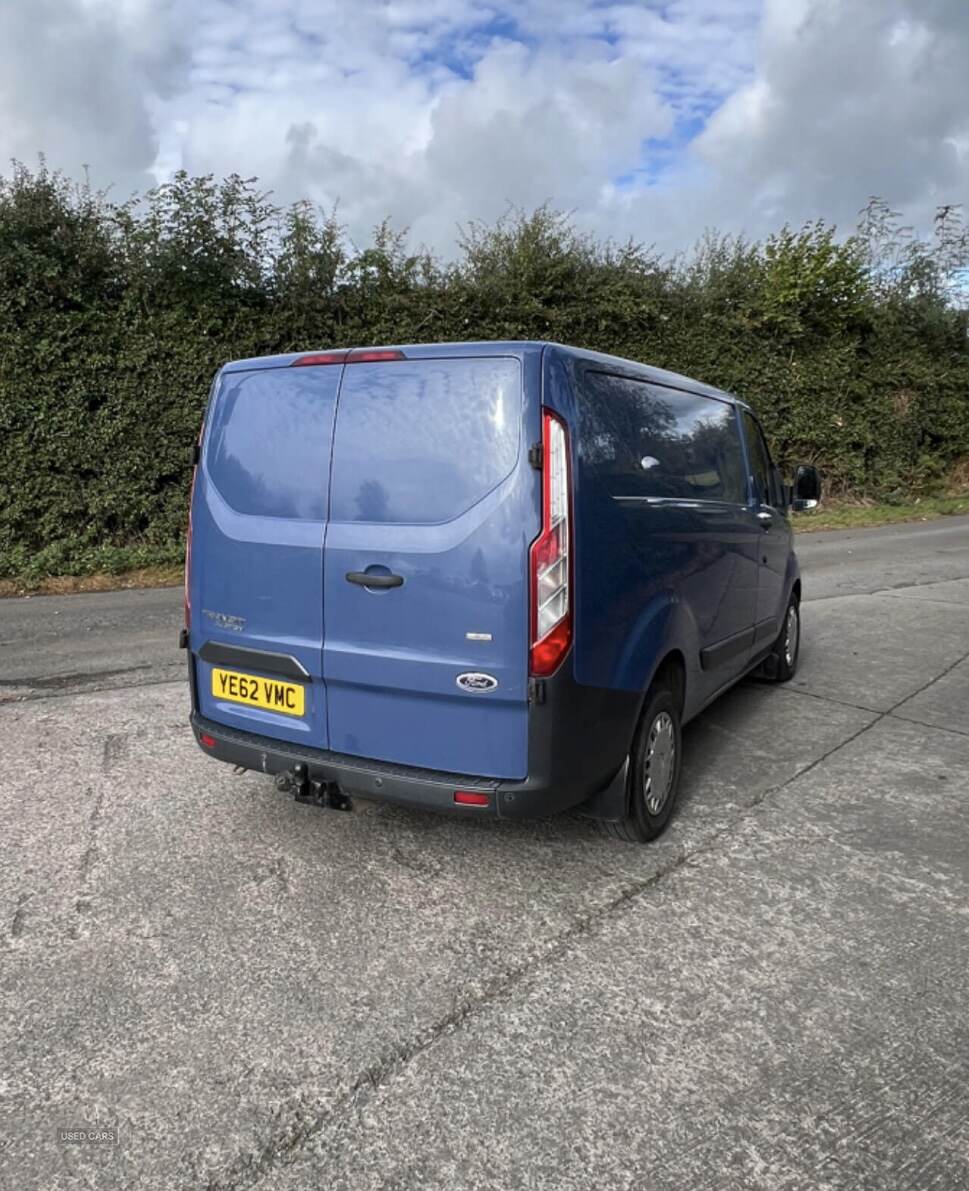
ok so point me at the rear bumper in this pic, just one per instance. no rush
(578, 741)
(424, 788)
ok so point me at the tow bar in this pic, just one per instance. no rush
(312, 790)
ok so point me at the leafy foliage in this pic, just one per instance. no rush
(114, 318)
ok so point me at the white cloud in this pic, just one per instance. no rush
(77, 82)
(851, 99)
(439, 111)
(430, 113)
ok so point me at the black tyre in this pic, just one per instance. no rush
(654, 771)
(780, 665)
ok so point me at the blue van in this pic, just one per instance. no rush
(488, 578)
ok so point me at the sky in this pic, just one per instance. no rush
(654, 119)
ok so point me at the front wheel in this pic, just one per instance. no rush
(654, 771)
(780, 664)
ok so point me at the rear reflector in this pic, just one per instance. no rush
(550, 561)
(207, 740)
(469, 798)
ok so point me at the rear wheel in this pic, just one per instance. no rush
(780, 665)
(654, 771)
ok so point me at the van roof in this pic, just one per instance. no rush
(512, 347)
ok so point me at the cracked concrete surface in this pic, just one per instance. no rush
(258, 993)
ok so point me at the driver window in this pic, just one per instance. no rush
(762, 478)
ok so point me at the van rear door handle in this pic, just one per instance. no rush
(766, 519)
(365, 580)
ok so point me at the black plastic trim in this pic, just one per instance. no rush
(715, 655)
(218, 653)
(365, 580)
(767, 630)
(578, 738)
(192, 681)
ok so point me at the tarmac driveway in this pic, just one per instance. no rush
(244, 991)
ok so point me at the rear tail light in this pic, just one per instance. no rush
(187, 594)
(550, 558)
(470, 798)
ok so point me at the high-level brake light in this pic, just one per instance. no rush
(371, 355)
(549, 559)
(352, 355)
(338, 357)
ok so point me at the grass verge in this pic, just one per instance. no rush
(64, 566)
(164, 576)
(836, 515)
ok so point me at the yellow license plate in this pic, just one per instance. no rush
(270, 693)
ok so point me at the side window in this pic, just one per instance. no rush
(777, 498)
(644, 441)
(762, 472)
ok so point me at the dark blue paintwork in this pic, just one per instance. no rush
(653, 578)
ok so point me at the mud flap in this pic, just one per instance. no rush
(611, 803)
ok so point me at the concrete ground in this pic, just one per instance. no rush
(234, 990)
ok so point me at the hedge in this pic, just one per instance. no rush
(114, 318)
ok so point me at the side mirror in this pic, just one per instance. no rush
(806, 490)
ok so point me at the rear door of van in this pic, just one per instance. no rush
(259, 514)
(432, 507)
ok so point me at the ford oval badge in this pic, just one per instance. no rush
(476, 682)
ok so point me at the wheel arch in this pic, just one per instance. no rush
(671, 672)
(612, 804)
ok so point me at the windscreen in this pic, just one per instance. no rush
(421, 441)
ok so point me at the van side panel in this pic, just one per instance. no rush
(431, 485)
(650, 575)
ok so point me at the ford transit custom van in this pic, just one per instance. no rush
(483, 578)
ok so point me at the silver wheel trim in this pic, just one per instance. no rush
(659, 762)
(792, 631)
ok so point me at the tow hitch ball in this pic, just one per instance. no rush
(312, 790)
